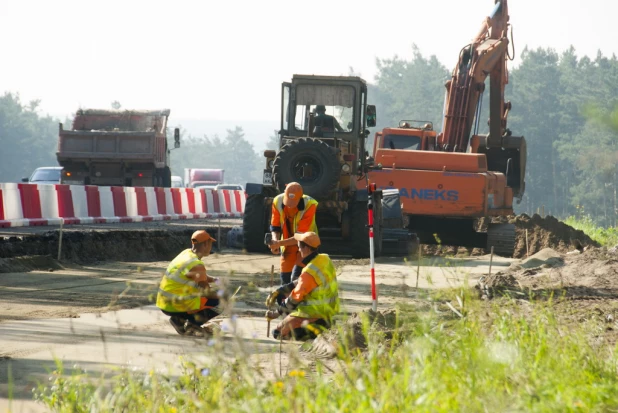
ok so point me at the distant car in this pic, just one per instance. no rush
(177, 182)
(198, 186)
(234, 187)
(45, 175)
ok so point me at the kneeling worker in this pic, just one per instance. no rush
(181, 291)
(314, 300)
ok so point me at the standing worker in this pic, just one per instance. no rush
(292, 212)
(181, 291)
(314, 301)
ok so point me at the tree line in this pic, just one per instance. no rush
(566, 106)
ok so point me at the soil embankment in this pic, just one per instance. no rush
(532, 234)
(19, 253)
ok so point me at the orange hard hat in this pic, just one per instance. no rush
(309, 238)
(292, 194)
(201, 236)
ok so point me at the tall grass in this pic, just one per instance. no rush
(485, 357)
(604, 236)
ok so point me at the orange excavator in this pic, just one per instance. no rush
(449, 181)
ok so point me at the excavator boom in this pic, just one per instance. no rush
(485, 56)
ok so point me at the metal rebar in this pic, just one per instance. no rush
(60, 240)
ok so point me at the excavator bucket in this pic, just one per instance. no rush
(510, 159)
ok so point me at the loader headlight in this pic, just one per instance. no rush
(271, 163)
(345, 168)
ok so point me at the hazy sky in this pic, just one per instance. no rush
(226, 59)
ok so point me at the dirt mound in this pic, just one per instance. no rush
(546, 232)
(590, 274)
(442, 250)
(354, 332)
(542, 233)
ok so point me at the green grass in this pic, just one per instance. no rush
(605, 236)
(491, 357)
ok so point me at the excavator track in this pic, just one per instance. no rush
(502, 238)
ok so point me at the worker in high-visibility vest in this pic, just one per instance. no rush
(292, 212)
(314, 301)
(183, 288)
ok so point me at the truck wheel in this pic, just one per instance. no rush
(254, 224)
(166, 179)
(359, 231)
(156, 178)
(310, 162)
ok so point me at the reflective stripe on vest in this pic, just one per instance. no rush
(175, 276)
(322, 301)
(308, 201)
(178, 293)
(178, 297)
(318, 272)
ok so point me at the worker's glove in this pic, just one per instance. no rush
(272, 314)
(279, 295)
(272, 298)
(289, 305)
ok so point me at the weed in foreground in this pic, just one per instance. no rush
(490, 358)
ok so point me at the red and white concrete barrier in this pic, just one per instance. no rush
(32, 204)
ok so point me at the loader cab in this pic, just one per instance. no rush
(340, 98)
(410, 135)
(330, 108)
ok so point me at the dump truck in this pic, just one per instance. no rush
(453, 184)
(328, 159)
(116, 148)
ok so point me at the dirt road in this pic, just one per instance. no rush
(102, 316)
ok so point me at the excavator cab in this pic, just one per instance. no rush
(411, 135)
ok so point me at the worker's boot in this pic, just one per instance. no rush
(211, 328)
(195, 330)
(178, 324)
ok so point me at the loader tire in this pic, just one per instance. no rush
(359, 230)
(254, 224)
(310, 162)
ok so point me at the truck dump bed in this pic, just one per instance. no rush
(115, 136)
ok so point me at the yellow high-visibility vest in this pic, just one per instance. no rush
(322, 301)
(177, 293)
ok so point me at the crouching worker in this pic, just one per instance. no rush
(184, 286)
(313, 302)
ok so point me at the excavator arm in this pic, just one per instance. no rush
(485, 56)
